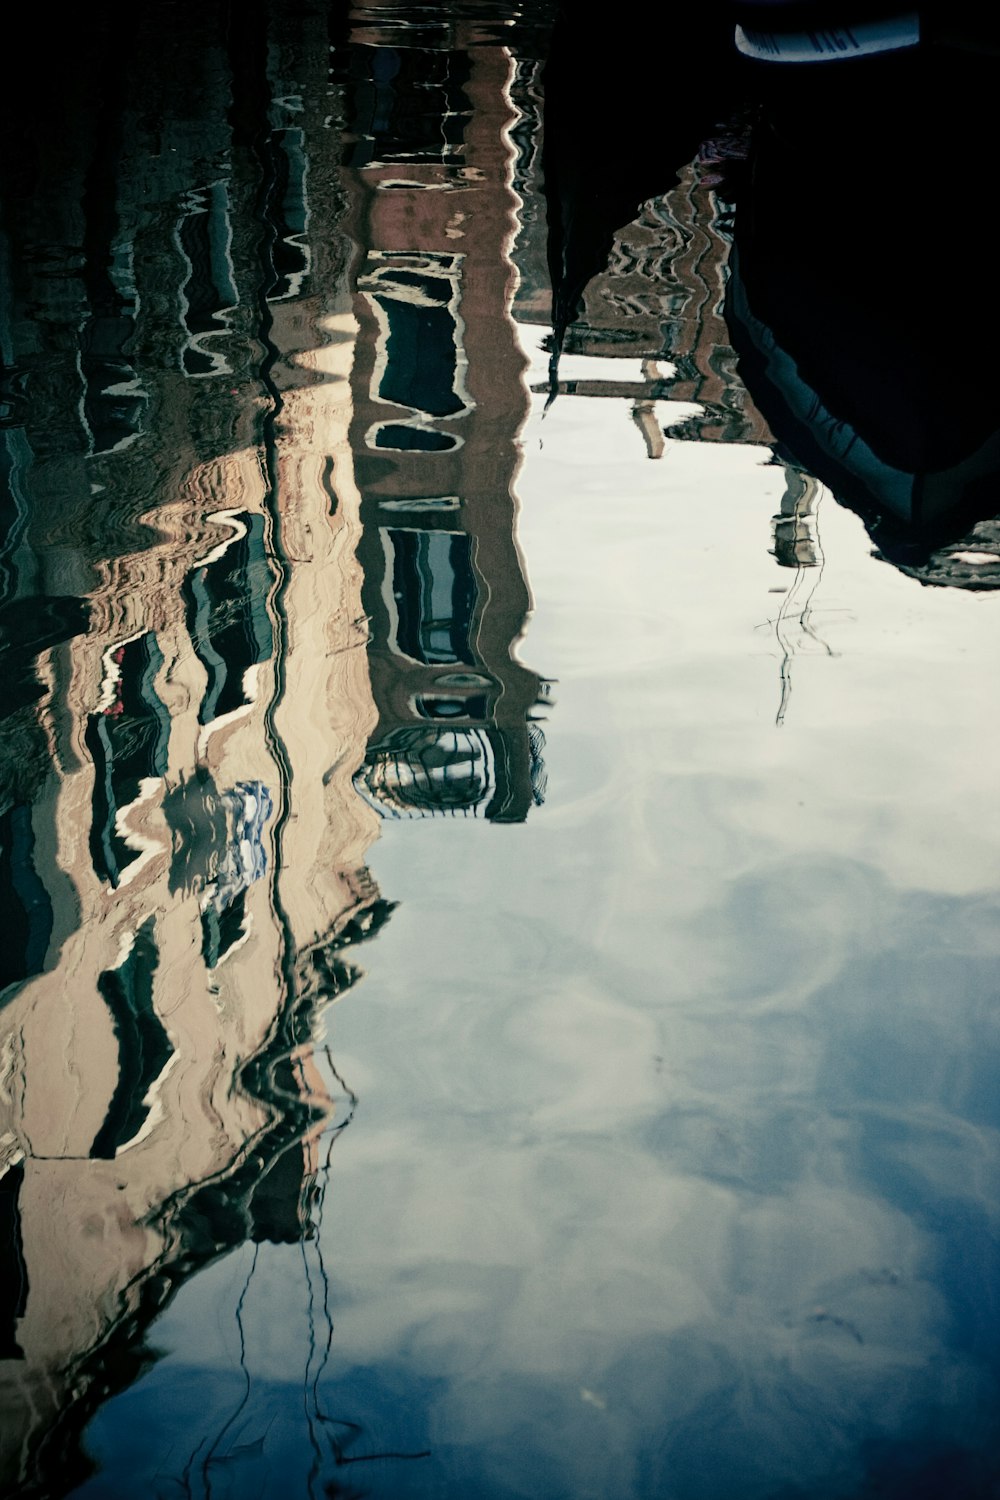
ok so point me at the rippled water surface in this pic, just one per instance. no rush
(499, 861)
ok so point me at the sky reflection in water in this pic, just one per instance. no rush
(671, 1167)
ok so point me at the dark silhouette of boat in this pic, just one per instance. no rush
(866, 330)
(865, 323)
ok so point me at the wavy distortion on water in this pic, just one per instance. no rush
(660, 1102)
(165, 1101)
(239, 604)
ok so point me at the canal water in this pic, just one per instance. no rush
(499, 846)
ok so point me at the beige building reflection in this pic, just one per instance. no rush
(309, 624)
(124, 1065)
(198, 849)
(438, 401)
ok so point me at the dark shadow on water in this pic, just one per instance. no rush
(866, 337)
(866, 330)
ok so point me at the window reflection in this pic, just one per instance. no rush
(13, 1271)
(227, 614)
(144, 1049)
(127, 740)
(26, 906)
(412, 439)
(288, 212)
(243, 860)
(113, 405)
(421, 771)
(475, 771)
(420, 354)
(434, 593)
(209, 294)
(420, 359)
(15, 553)
(437, 706)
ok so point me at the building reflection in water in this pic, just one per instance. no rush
(258, 559)
(260, 589)
(438, 396)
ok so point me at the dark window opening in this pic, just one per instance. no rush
(434, 587)
(209, 294)
(429, 706)
(127, 741)
(24, 901)
(222, 930)
(15, 556)
(414, 439)
(421, 350)
(13, 1271)
(227, 617)
(287, 212)
(114, 403)
(144, 1048)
